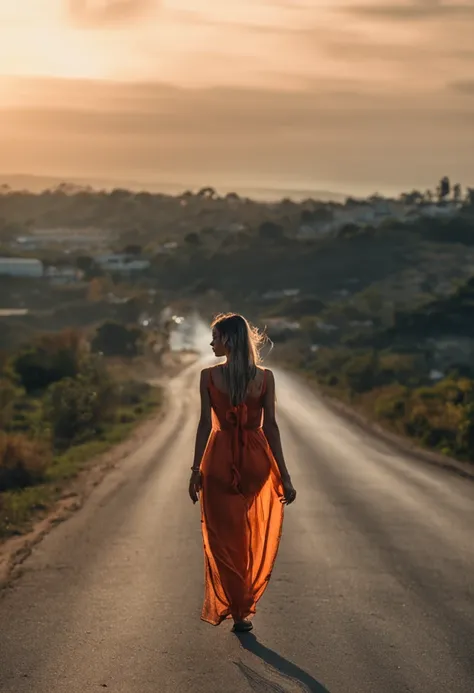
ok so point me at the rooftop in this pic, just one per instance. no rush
(20, 260)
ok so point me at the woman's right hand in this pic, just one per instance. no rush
(195, 485)
(289, 491)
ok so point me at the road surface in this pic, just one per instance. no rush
(372, 591)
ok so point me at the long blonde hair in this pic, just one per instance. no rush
(243, 342)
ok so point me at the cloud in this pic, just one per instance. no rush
(413, 55)
(329, 135)
(418, 10)
(159, 110)
(465, 86)
(87, 13)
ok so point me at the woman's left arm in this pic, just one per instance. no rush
(202, 435)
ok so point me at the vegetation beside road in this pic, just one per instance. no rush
(404, 377)
(60, 406)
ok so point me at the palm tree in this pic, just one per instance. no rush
(443, 189)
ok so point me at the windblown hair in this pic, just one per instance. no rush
(244, 343)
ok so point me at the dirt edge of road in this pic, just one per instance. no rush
(15, 550)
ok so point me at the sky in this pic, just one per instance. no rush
(354, 96)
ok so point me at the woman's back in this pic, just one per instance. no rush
(251, 409)
(255, 387)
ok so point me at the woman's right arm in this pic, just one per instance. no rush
(272, 433)
(202, 436)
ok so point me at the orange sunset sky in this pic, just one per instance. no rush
(344, 95)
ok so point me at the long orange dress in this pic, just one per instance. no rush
(241, 509)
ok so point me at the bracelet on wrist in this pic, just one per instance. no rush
(195, 469)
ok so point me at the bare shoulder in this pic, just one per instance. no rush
(204, 377)
(269, 375)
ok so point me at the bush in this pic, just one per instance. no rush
(114, 339)
(23, 462)
(27, 416)
(392, 404)
(76, 407)
(9, 394)
(49, 359)
(360, 372)
(133, 392)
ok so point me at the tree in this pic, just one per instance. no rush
(307, 216)
(207, 193)
(118, 194)
(192, 238)
(457, 192)
(114, 339)
(349, 230)
(85, 263)
(414, 197)
(444, 188)
(470, 197)
(50, 358)
(133, 249)
(269, 231)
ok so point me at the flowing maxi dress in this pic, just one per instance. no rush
(241, 509)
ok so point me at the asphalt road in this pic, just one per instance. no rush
(372, 591)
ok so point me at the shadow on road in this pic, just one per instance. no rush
(250, 643)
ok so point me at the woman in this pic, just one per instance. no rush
(240, 473)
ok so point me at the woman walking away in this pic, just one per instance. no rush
(240, 474)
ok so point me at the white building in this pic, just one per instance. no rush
(283, 293)
(64, 274)
(20, 267)
(439, 211)
(122, 263)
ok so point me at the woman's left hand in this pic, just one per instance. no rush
(195, 485)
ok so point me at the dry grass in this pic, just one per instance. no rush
(23, 462)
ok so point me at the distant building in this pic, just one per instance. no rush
(13, 312)
(63, 274)
(282, 325)
(20, 267)
(232, 227)
(441, 211)
(283, 293)
(121, 262)
(66, 238)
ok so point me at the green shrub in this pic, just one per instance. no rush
(48, 360)
(392, 405)
(133, 392)
(9, 394)
(114, 339)
(77, 407)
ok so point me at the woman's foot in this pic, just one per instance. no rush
(242, 626)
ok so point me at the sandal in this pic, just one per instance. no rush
(242, 626)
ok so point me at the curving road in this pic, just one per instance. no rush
(373, 591)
